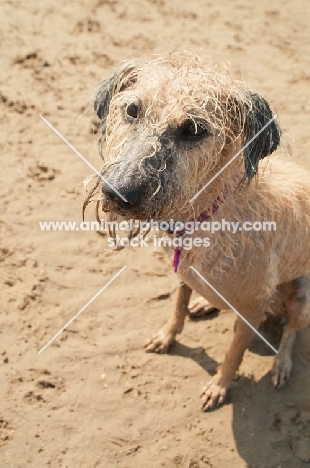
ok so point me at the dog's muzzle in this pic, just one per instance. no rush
(136, 175)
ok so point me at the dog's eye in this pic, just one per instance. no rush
(132, 110)
(194, 129)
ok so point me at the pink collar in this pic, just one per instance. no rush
(204, 216)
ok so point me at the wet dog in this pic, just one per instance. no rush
(173, 124)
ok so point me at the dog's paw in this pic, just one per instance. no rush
(212, 395)
(159, 343)
(281, 370)
(199, 308)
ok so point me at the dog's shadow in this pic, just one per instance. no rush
(271, 427)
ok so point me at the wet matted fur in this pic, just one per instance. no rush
(171, 122)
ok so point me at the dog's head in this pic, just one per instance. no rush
(171, 124)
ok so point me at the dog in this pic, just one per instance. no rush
(174, 123)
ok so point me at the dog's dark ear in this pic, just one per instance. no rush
(103, 98)
(124, 77)
(262, 134)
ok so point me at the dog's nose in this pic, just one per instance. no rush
(131, 196)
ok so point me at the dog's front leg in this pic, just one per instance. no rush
(160, 342)
(215, 391)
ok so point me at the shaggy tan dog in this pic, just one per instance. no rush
(171, 123)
